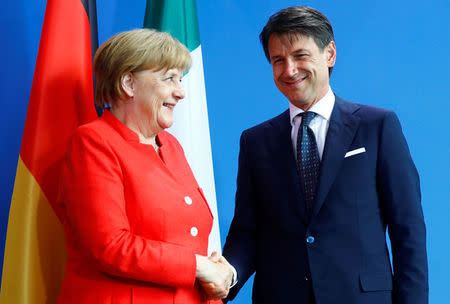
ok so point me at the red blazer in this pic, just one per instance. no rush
(133, 220)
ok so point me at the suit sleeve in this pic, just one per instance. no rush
(93, 193)
(399, 187)
(240, 245)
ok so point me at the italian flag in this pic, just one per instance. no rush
(191, 127)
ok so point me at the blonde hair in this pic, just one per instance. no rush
(134, 51)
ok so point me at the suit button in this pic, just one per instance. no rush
(188, 200)
(310, 239)
(194, 231)
(306, 279)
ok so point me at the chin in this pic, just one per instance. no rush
(300, 103)
(297, 100)
(165, 125)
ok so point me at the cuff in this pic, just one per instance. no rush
(235, 280)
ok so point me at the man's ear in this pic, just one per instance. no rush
(127, 84)
(331, 54)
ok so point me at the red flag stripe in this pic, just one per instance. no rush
(62, 91)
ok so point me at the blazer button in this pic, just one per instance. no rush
(194, 231)
(188, 200)
(310, 239)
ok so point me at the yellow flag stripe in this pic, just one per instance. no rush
(34, 248)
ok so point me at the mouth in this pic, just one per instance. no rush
(292, 83)
(169, 105)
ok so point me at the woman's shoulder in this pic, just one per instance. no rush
(95, 133)
(95, 128)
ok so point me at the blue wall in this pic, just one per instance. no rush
(393, 54)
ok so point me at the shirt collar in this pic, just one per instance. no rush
(323, 107)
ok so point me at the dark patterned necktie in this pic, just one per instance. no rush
(308, 160)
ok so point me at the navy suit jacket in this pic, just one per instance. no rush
(339, 254)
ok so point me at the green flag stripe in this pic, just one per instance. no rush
(177, 17)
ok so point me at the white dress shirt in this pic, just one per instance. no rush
(320, 123)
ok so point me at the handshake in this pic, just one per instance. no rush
(215, 275)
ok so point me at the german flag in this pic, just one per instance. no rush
(61, 100)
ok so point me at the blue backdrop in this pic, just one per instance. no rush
(393, 54)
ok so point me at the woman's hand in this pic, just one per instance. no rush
(215, 275)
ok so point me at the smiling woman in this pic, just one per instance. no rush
(136, 221)
(139, 75)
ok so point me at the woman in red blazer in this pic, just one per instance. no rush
(136, 221)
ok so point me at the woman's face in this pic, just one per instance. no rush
(156, 94)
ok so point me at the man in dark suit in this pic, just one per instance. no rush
(319, 185)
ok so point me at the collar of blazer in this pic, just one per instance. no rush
(342, 129)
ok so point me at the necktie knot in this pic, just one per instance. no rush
(307, 117)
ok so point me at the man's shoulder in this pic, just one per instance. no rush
(273, 124)
(364, 111)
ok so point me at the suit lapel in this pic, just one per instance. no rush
(287, 162)
(343, 125)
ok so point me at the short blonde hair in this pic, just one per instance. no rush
(134, 51)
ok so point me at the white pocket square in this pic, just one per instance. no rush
(356, 151)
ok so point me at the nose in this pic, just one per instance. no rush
(178, 92)
(290, 68)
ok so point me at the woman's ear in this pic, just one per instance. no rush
(127, 83)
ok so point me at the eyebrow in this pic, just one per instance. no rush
(301, 50)
(275, 57)
(171, 73)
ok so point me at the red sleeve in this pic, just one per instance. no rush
(95, 212)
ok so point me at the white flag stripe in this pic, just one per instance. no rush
(191, 128)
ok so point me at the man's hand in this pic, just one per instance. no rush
(214, 275)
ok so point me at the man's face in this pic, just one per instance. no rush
(300, 68)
